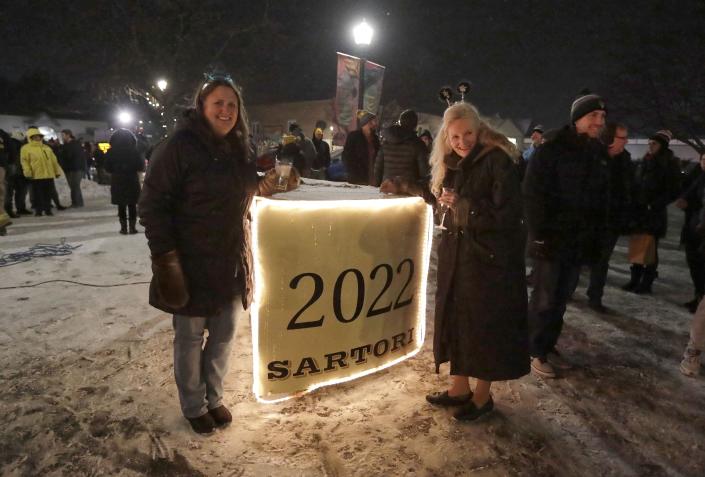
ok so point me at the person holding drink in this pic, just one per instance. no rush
(194, 207)
(481, 300)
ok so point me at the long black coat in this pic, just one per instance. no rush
(359, 164)
(481, 301)
(693, 195)
(124, 165)
(196, 198)
(566, 191)
(656, 184)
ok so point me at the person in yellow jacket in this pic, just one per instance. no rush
(40, 166)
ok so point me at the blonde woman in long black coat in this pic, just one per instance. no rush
(481, 300)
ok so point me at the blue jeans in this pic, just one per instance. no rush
(199, 370)
(554, 282)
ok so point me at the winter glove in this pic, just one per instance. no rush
(267, 184)
(400, 186)
(539, 249)
(170, 280)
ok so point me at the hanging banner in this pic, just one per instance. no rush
(348, 90)
(340, 290)
(374, 76)
(346, 97)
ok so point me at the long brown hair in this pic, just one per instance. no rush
(239, 135)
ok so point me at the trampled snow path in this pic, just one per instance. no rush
(88, 387)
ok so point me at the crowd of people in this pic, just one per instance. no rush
(562, 204)
(29, 164)
(566, 200)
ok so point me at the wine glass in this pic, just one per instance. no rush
(444, 209)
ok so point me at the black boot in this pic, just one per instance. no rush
(637, 271)
(123, 226)
(644, 288)
(133, 229)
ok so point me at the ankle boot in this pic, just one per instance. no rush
(644, 288)
(123, 226)
(133, 229)
(637, 271)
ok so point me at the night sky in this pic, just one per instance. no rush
(525, 59)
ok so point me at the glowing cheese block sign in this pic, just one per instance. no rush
(340, 290)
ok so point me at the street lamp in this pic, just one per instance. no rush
(124, 118)
(162, 84)
(362, 34)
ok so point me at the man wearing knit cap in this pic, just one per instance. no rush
(360, 150)
(566, 198)
(656, 184)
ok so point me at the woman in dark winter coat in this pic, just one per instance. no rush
(124, 164)
(481, 300)
(194, 207)
(656, 184)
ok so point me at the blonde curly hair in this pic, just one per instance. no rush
(486, 136)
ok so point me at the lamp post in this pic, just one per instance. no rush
(362, 34)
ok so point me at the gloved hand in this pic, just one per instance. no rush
(267, 184)
(170, 280)
(539, 249)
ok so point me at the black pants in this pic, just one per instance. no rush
(696, 265)
(598, 272)
(554, 282)
(16, 191)
(124, 210)
(54, 195)
(43, 189)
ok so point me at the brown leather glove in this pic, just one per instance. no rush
(267, 184)
(170, 280)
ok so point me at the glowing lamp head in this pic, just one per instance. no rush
(162, 84)
(363, 33)
(124, 117)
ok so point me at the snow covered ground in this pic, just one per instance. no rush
(87, 385)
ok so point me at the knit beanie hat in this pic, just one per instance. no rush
(663, 137)
(408, 119)
(364, 117)
(584, 104)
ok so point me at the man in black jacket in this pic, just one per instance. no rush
(621, 173)
(566, 192)
(73, 162)
(403, 156)
(360, 149)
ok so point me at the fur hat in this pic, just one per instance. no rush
(663, 137)
(364, 117)
(586, 103)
